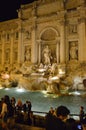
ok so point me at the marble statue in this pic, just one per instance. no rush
(46, 55)
(27, 35)
(53, 68)
(27, 55)
(73, 52)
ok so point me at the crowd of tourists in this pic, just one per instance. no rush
(12, 112)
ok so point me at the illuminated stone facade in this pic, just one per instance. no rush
(59, 24)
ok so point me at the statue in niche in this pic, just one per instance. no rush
(26, 68)
(7, 56)
(27, 35)
(73, 51)
(46, 55)
(28, 55)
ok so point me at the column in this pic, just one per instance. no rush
(62, 43)
(20, 44)
(3, 48)
(82, 40)
(34, 26)
(58, 52)
(11, 48)
(34, 45)
(39, 50)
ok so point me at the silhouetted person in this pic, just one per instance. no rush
(71, 124)
(81, 114)
(27, 106)
(57, 122)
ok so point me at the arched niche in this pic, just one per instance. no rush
(49, 37)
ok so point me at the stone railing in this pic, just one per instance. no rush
(26, 127)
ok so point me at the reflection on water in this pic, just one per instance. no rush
(41, 101)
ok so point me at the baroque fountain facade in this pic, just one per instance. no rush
(45, 46)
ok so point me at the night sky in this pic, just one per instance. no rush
(8, 8)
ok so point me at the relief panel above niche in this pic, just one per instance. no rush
(73, 29)
(48, 35)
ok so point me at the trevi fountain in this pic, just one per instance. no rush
(45, 49)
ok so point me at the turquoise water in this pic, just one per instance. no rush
(42, 101)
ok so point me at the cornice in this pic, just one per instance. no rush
(8, 25)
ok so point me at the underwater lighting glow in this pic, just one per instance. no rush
(1, 87)
(45, 96)
(74, 93)
(7, 88)
(55, 96)
(20, 90)
(44, 92)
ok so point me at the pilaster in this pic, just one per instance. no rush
(20, 45)
(39, 50)
(11, 48)
(34, 45)
(82, 40)
(62, 42)
(3, 48)
(58, 51)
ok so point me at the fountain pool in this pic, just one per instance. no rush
(41, 101)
